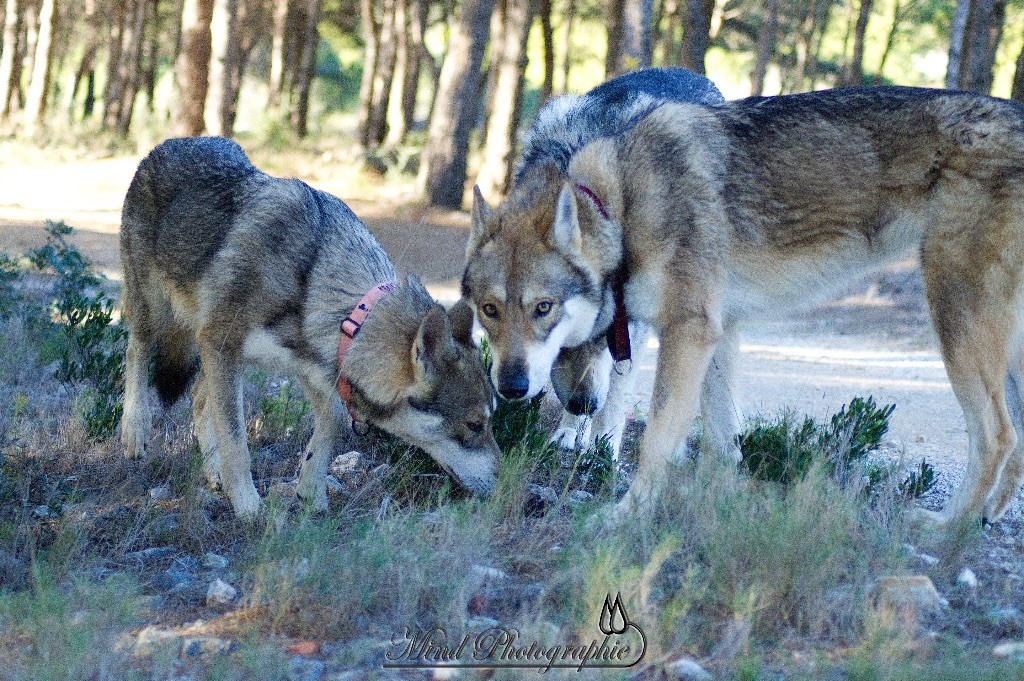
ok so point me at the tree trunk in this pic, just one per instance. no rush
(500, 146)
(39, 84)
(8, 52)
(247, 23)
(570, 13)
(400, 83)
(696, 30)
(1018, 79)
(383, 76)
(223, 55)
(371, 35)
(855, 69)
(890, 40)
(443, 171)
(821, 20)
(26, 59)
(629, 30)
(494, 51)
(115, 45)
(803, 45)
(547, 34)
(152, 54)
(668, 39)
(307, 70)
(980, 40)
(191, 69)
(88, 61)
(426, 59)
(956, 42)
(614, 17)
(131, 66)
(765, 46)
(277, 49)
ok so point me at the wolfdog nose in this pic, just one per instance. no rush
(581, 405)
(513, 383)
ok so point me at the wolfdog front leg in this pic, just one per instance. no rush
(222, 380)
(686, 350)
(313, 475)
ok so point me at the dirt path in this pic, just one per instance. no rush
(876, 344)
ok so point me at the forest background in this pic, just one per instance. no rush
(440, 88)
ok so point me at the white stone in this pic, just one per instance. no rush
(220, 593)
(1010, 650)
(346, 463)
(214, 561)
(687, 669)
(968, 578)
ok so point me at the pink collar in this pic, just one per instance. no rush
(349, 328)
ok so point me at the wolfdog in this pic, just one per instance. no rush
(587, 381)
(224, 265)
(707, 215)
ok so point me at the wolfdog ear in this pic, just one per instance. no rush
(461, 317)
(565, 234)
(480, 219)
(433, 342)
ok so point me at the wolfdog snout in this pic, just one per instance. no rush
(513, 381)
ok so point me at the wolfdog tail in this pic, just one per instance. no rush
(176, 363)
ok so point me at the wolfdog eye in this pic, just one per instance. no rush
(543, 307)
(490, 309)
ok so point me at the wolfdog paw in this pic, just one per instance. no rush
(929, 521)
(565, 438)
(314, 494)
(246, 503)
(134, 446)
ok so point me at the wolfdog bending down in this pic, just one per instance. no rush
(710, 214)
(224, 265)
(585, 377)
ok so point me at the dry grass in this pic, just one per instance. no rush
(741, 574)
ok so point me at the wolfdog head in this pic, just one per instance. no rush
(537, 275)
(436, 396)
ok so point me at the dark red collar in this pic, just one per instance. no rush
(349, 328)
(593, 197)
(618, 332)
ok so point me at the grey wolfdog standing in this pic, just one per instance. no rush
(588, 385)
(713, 214)
(224, 264)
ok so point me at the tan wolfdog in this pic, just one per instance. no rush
(226, 266)
(712, 214)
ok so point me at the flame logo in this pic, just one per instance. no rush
(614, 619)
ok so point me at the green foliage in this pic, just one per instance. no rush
(281, 414)
(89, 346)
(783, 450)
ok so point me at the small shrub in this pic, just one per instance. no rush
(784, 449)
(89, 347)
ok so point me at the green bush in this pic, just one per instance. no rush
(88, 346)
(784, 449)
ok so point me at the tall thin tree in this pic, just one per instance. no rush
(192, 68)
(39, 84)
(443, 170)
(500, 144)
(8, 51)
